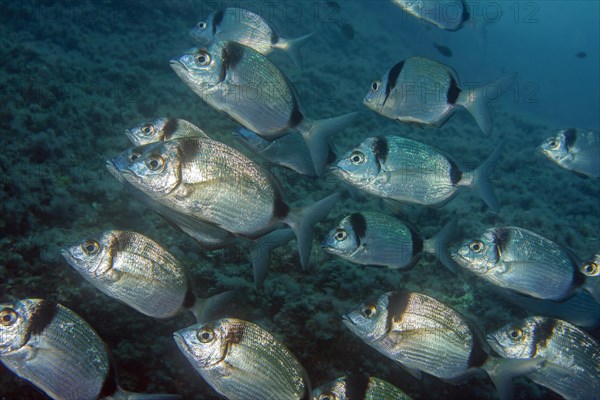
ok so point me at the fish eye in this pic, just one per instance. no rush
(327, 396)
(206, 335)
(133, 157)
(477, 246)
(155, 163)
(375, 86)
(201, 25)
(203, 58)
(90, 247)
(369, 311)
(357, 158)
(553, 144)
(147, 129)
(340, 235)
(590, 268)
(515, 334)
(8, 317)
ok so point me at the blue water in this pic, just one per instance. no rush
(74, 76)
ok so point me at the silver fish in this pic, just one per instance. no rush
(397, 168)
(521, 260)
(576, 150)
(242, 361)
(137, 271)
(591, 269)
(371, 238)
(50, 346)
(213, 182)
(249, 88)
(289, 151)
(162, 129)
(250, 29)
(450, 15)
(572, 367)
(425, 92)
(359, 387)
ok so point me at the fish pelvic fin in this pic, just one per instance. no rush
(302, 221)
(260, 254)
(481, 178)
(503, 370)
(477, 100)
(317, 134)
(292, 47)
(213, 307)
(438, 245)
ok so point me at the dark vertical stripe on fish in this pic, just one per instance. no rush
(231, 55)
(236, 335)
(170, 126)
(392, 79)
(359, 224)
(570, 137)
(453, 90)
(280, 208)
(455, 173)
(356, 386)
(42, 316)
(295, 116)
(501, 241)
(478, 356)
(189, 149)
(217, 18)
(465, 13)
(397, 304)
(541, 334)
(380, 150)
(109, 387)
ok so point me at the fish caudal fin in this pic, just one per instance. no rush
(502, 371)
(260, 254)
(292, 47)
(318, 133)
(482, 176)
(438, 245)
(213, 307)
(303, 220)
(477, 100)
(148, 396)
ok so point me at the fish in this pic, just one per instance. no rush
(165, 128)
(53, 348)
(576, 150)
(250, 89)
(242, 361)
(400, 169)
(572, 367)
(213, 182)
(372, 238)
(359, 387)
(250, 29)
(289, 151)
(591, 269)
(445, 51)
(137, 271)
(522, 261)
(425, 335)
(450, 15)
(424, 92)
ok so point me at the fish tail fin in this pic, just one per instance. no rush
(147, 396)
(261, 253)
(292, 47)
(477, 100)
(302, 221)
(481, 179)
(438, 245)
(318, 133)
(212, 307)
(503, 370)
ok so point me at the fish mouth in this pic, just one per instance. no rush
(180, 341)
(66, 254)
(347, 320)
(177, 65)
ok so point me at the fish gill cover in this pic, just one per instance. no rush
(75, 75)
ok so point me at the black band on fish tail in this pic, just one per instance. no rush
(295, 115)
(280, 208)
(541, 334)
(170, 126)
(217, 18)
(453, 91)
(274, 38)
(465, 14)
(570, 137)
(392, 79)
(190, 298)
(231, 55)
(417, 242)
(455, 173)
(478, 356)
(397, 304)
(357, 386)
(42, 316)
(110, 385)
(380, 149)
